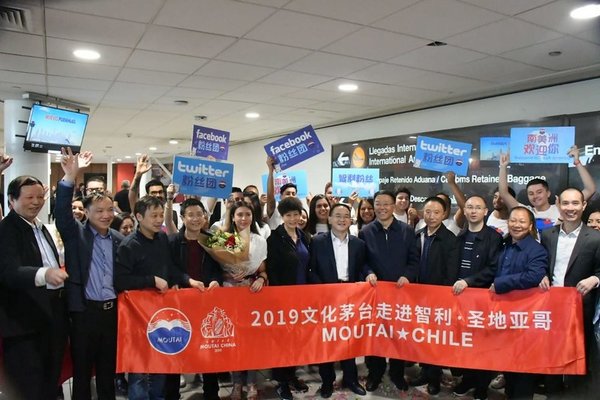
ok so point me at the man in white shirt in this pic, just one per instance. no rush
(574, 261)
(33, 313)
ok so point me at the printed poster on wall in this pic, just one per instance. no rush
(297, 177)
(364, 181)
(442, 155)
(200, 177)
(294, 148)
(541, 144)
(209, 142)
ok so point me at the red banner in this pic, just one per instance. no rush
(228, 329)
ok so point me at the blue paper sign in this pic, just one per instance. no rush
(364, 181)
(490, 148)
(298, 178)
(541, 145)
(209, 142)
(200, 177)
(295, 147)
(442, 155)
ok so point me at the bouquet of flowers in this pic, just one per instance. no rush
(228, 249)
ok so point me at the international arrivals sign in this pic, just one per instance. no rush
(188, 331)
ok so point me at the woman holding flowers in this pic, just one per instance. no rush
(251, 272)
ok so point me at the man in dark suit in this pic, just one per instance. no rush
(90, 251)
(574, 261)
(33, 315)
(337, 257)
(392, 256)
(438, 265)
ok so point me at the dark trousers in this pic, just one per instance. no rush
(479, 379)
(433, 373)
(33, 362)
(350, 372)
(210, 386)
(519, 386)
(284, 375)
(94, 347)
(377, 366)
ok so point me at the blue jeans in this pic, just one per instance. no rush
(146, 386)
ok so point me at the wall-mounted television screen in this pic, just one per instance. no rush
(51, 128)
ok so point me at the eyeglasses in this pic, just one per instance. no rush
(384, 204)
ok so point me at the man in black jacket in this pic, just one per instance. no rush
(439, 250)
(33, 308)
(480, 246)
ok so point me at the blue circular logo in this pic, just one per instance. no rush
(169, 331)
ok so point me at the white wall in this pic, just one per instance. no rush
(580, 97)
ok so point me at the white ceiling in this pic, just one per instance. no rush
(283, 59)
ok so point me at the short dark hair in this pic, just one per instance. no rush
(287, 186)
(403, 190)
(96, 178)
(190, 203)
(14, 187)
(534, 231)
(146, 202)
(384, 192)
(235, 189)
(510, 190)
(251, 187)
(436, 199)
(289, 204)
(336, 205)
(94, 197)
(538, 181)
(153, 182)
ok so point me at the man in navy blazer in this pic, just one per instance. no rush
(574, 261)
(337, 257)
(90, 252)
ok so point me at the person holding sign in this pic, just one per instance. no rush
(337, 257)
(574, 261)
(522, 263)
(479, 246)
(439, 265)
(538, 192)
(287, 190)
(391, 256)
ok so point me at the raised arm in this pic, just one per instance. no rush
(508, 199)
(143, 165)
(270, 187)
(589, 186)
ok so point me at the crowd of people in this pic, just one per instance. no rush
(62, 285)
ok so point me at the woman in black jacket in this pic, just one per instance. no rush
(287, 264)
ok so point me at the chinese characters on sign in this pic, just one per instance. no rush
(297, 177)
(229, 328)
(364, 181)
(209, 142)
(294, 148)
(442, 155)
(541, 145)
(200, 177)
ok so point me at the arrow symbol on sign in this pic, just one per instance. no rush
(343, 160)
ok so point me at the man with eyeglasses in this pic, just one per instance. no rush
(95, 184)
(480, 245)
(391, 256)
(337, 257)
